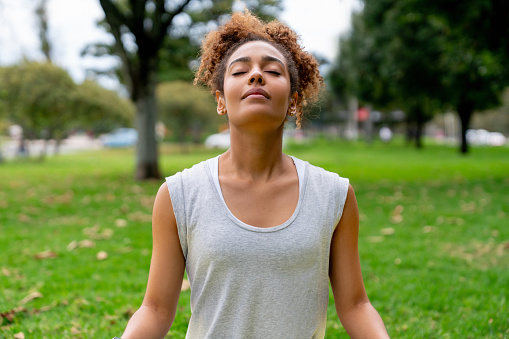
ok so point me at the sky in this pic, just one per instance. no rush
(72, 26)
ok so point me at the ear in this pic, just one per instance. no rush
(221, 105)
(293, 103)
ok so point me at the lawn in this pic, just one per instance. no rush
(75, 239)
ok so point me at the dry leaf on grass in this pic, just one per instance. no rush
(23, 217)
(94, 232)
(427, 229)
(30, 297)
(6, 272)
(86, 243)
(121, 223)
(375, 239)
(72, 245)
(139, 217)
(396, 214)
(102, 255)
(185, 285)
(387, 231)
(45, 255)
(19, 335)
(9, 315)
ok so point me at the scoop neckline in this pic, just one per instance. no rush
(213, 164)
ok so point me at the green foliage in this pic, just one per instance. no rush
(101, 110)
(435, 267)
(44, 100)
(38, 97)
(427, 56)
(187, 110)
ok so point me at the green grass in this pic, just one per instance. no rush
(434, 239)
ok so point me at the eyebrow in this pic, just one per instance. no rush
(264, 58)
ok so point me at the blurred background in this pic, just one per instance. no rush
(73, 73)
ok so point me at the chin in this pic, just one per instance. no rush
(259, 121)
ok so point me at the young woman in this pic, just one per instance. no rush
(260, 233)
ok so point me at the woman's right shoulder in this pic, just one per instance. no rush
(195, 174)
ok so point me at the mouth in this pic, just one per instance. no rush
(256, 92)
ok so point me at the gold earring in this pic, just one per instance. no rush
(291, 112)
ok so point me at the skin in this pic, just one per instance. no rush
(254, 172)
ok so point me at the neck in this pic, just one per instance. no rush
(254, 156)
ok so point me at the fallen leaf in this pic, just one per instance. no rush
(375, 239)
(121, 223)
(45, 255)
(72, 245)
(9, 315)
(398, 218)
(19, 335)
(139, 217)
(107, 233)
(87, 243)
(102, 255)
(185, 285)
(427, 229)
(30, 297)
(6, 272)
(74, 330)
(387, 231)
(396, 214)
(24, 218)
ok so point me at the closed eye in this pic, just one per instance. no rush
(274, 72)
(238, 73)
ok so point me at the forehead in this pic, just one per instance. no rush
(254, 49)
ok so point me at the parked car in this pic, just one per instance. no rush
(483, 137)
(218, 140)
(121, 137)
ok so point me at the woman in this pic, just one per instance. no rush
(259, 232)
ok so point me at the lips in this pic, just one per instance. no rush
(255, 91)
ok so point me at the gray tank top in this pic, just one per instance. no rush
(251, 282)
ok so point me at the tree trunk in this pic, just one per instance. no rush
(418, 133)
(147, 166)
(465, 110)
(415, 129)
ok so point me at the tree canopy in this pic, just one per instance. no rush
(44, 100)
(427, 56)
(187, 110)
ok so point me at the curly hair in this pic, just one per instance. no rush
(219, 45)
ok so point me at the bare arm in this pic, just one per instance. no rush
(157, 312)
(355, 312)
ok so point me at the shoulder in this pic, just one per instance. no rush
(326, 176)
(197, 171)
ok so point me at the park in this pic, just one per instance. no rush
(405, 112)
(434, 242)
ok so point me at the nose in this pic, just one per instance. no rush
(256, 77)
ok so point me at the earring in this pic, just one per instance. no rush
(291, 112)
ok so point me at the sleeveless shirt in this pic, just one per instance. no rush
(251, 282)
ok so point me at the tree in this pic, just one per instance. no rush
(140, 29)
(187, 110)
(100, 110)
(44, 100)
(475, 56)
(42, 21)
(438, 55)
